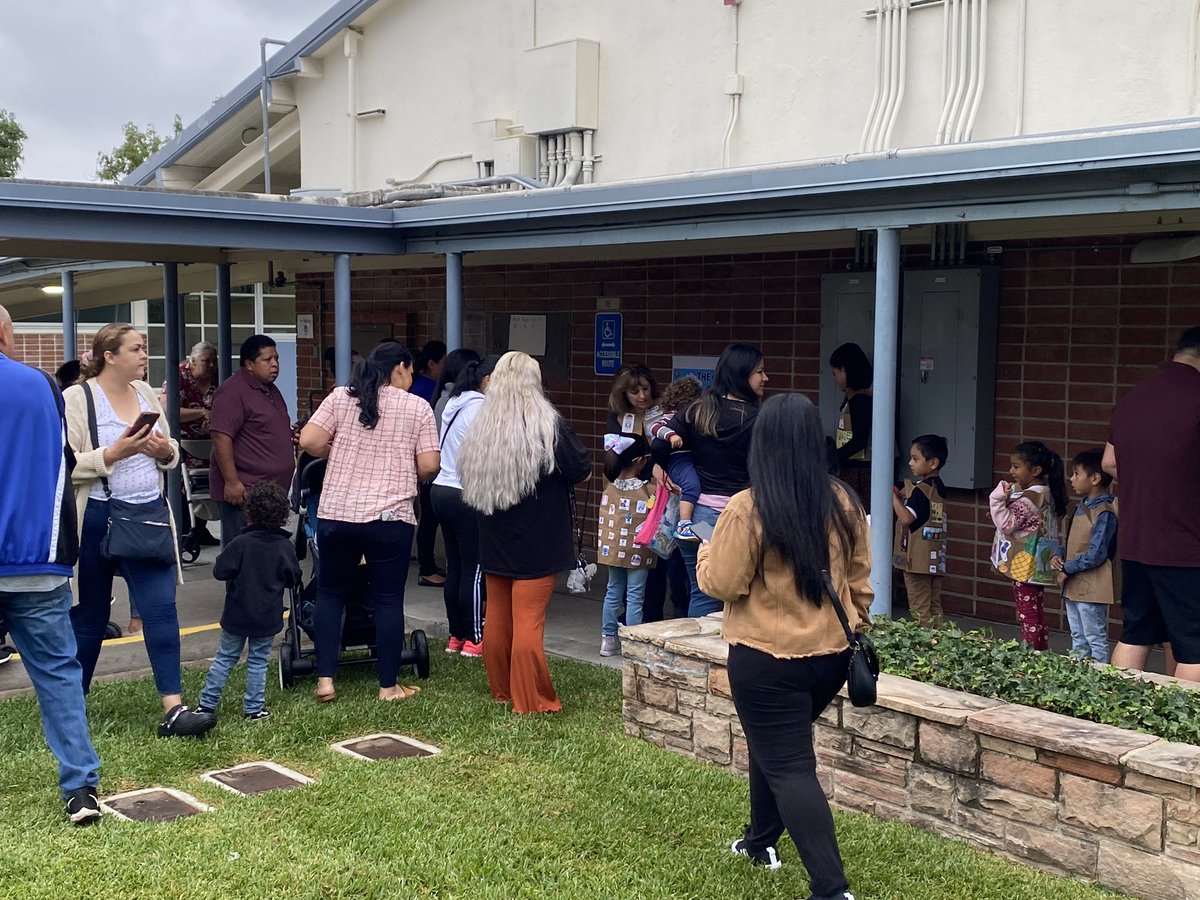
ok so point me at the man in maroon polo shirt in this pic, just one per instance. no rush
(1155, 437)
(251, 433)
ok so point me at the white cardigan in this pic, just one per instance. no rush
(89, 460)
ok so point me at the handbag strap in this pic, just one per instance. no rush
(587, 502)
(95, 432)
(827, 580)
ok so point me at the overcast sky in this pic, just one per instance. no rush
(76, 70)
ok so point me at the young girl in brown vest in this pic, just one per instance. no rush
(919, 549)
(1086, 573)
(624, 505)
(1028, 513)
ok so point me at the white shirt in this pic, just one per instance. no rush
(460, 412)
(135, 479)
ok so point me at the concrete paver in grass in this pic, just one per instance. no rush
(257, 778)
(155, 804)
(374, 747)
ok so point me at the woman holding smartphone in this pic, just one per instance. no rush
(126, 461)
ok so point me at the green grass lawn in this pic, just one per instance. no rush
(535, 806)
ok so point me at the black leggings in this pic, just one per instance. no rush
(427, 528)
(464, 593)
(777, 701)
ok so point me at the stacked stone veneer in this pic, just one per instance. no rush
(1072, 797)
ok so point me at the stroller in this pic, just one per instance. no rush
(358, 628)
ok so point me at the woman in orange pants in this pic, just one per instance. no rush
(519, 463)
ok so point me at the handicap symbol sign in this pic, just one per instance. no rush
(608, 343)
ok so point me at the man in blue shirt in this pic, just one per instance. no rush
(39, 544)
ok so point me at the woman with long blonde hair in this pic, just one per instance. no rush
(518, 464)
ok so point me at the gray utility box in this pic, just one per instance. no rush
(947, 378)
(948, 367)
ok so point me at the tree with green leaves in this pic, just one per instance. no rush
(137, 147)
(12, 144)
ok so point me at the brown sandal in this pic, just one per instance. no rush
(408, 691)
(325, 696)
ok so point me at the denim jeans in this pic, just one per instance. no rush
(40, 625)
(628, 585)
(152, 587)
(229, 651)
(233, 520)
(699, 604)
(1089, 629)
(386, 546)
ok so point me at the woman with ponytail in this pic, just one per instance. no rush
(1028, 514)
(380, 441)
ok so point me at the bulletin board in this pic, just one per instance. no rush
(550, 332)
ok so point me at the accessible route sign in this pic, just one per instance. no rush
(608, 343)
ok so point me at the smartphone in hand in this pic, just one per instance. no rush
(702, 530)
(142, 422)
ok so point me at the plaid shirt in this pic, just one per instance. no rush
(372, 472)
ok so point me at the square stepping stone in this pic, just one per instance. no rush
(384, 746)
(156, 804)
(257, 778)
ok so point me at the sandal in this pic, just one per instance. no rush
(325, 696)
(427, 580)
(406, 692)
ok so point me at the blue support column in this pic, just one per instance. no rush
(341, 318)
(70, 331)
(454, 300)
(224, 322)
(172, 326)
(883, 415)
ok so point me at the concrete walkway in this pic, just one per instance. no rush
(572, 626)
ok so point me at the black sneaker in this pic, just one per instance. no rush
(768, 856)
(82, 806)
(205, 710)
(6, 653)
(184, 722)
(844, 895)
(263, 713)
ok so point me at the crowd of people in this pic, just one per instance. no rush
(755, 515)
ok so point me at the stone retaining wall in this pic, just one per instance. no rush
(1072, 797)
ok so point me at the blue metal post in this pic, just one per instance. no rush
(172, 322)
(883, 415)
(224, 323)
(454, 300)
(70, 332)
(341, 318)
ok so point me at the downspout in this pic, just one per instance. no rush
(981, 56)
(1193, 49)
(901, 75)
(574, 143)
(265, 93)
(350, 48)
(589, 156)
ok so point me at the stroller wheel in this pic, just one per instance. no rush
(287, 676)
(420, 646)
(189, 549)
(112, 630)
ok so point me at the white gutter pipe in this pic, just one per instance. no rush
(901, 70)
(981, 69)
(863, 143)
(1023, 37)
(350, 49)
(574, 143)
(589, 156)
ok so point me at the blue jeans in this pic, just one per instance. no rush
(40, 625)
(386, 547)
(623, 584)
(699, 604)
(152, 587)
(683, 473)
(1089, 629)
(229, 651)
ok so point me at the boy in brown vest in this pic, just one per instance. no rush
(919, 550)
(1086, 574)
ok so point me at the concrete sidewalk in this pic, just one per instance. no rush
(572, 626)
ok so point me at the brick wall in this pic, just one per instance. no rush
(43, 350)
(1079, 325)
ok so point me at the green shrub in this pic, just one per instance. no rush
(978, 663)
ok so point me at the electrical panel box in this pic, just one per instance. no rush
(948, 367)
(561, 87)
(847, 316)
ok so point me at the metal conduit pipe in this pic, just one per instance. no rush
(350, 49)
(885, 89)
(265, 93)
(1023, 40)
(69, 325)
(519, 180)
(901, 76)
(960, 124)
(981, 67)
(953, 49)
(574, 168)
(964, 61)
(863, 143)
(735, 100)
(589, 156)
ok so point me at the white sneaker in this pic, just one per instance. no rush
(608, 645)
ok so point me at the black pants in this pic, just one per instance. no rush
(666, 573)
(427, 528)
(464, 593)
(386, 546)
(777, 701)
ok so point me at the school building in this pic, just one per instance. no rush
(999, 201)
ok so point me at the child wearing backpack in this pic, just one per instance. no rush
(919, 549)
(1028, 515)
(257, 566)
(624, 505)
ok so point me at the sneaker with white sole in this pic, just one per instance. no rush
(184, 722)
(82, 806)
(608, 645)
(472, 649)
(6, 653)
(844, 895)
(454, 645)
(258, 715)
(767, 857)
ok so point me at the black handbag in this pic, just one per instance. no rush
(863, 675)
(140, 531)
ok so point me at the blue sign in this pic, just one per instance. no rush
(608, 343)
(699, 367)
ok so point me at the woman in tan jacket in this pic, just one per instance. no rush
(124, 464)
(788, 655)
